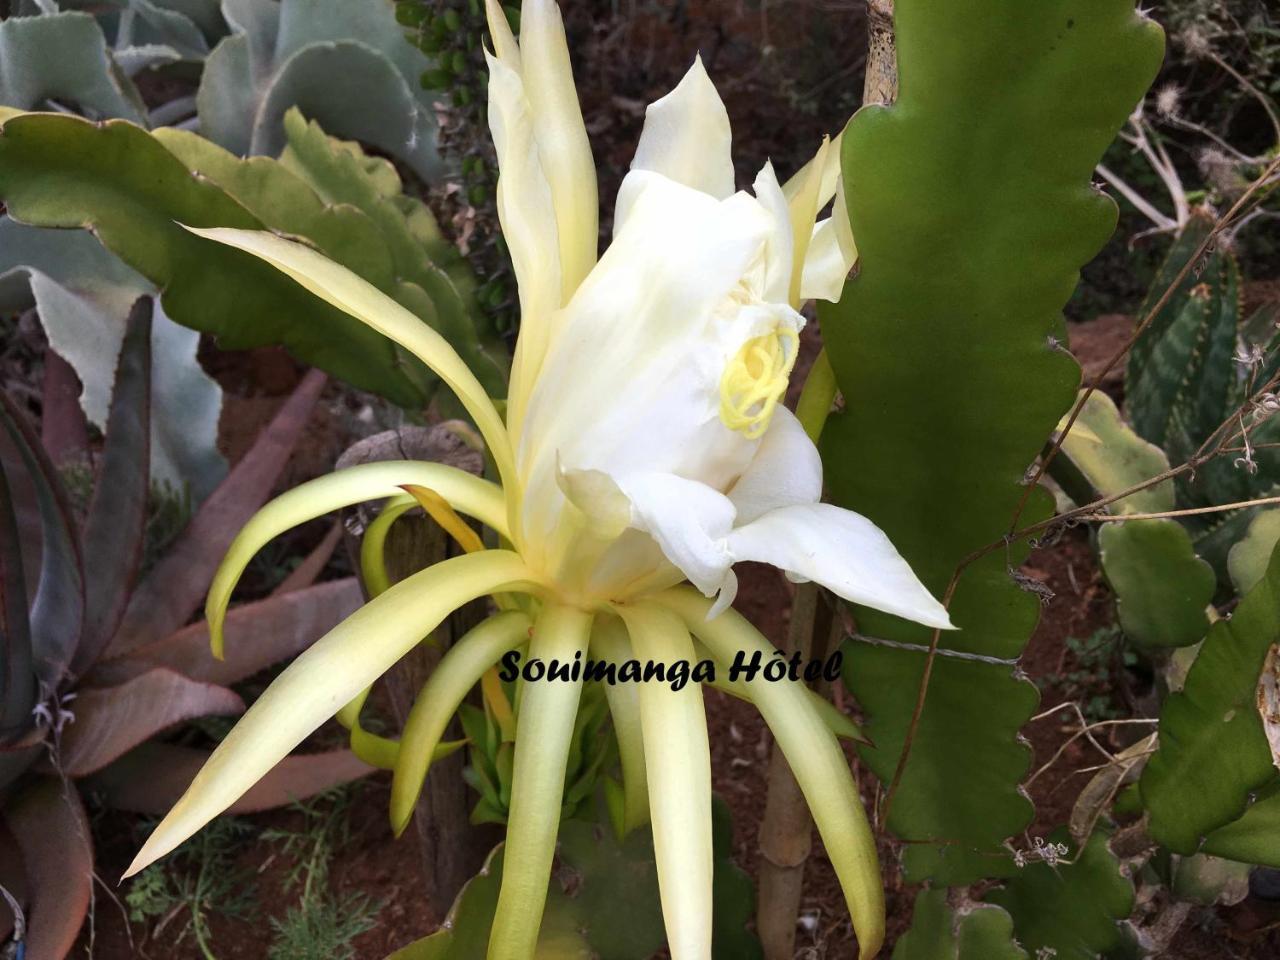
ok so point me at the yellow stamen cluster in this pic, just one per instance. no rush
(755, 381)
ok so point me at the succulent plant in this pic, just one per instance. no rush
(96, 661)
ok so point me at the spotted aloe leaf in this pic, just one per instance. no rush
(972, 206)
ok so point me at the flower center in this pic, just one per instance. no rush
(756, 380)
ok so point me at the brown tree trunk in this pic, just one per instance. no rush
(452, 850)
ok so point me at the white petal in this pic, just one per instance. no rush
(335, 284)
(504, 44)
(678, 764)
(562, 138)
(631, 380)
(528, 219)
(689, 521)
(780, 249)
(786, 470)
(806, 194)
(831, 254)
(687, 139)
(844, 552)
(330, 673)
(544, 734)
(825, 164)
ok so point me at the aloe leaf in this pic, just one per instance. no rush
(120, 182)
(1213, 750)
(57, 613)
(1071, 908)
(150, 778)
(343, 62)
(17, 673)
(941, 932)
(52, 832)
(117, 520)
(947, 346)
(111, 721)
(174, 588)
(63, 57)
(258, 634)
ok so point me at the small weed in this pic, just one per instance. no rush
(1092, 681)
(198, 880)
(323, 926)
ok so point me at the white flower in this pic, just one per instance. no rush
(644, 444)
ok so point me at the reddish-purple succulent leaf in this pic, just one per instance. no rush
(308, 571)
(17, 676)
(57, 612)
(151, 778)
(11, 878)
(175, 588)
(17, 757)
(117, 521)
(64, 432)
(257, 635)
(111, 721)
(48, 824)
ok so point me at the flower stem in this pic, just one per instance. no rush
(817, 396)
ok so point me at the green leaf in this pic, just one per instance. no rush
(603, 905)
(63, 57)
(1162, 588)
(1255, 837)
(1213, 750)
(962, 763)
(345, 63)
(436, 282)
(1109, 458)
(1073, 908)
(1247, 560)
(939, 932)
(970, 199)
(118, 181)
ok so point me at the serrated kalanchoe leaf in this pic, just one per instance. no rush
(344, 62)
(63, 57)
(948, 348)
